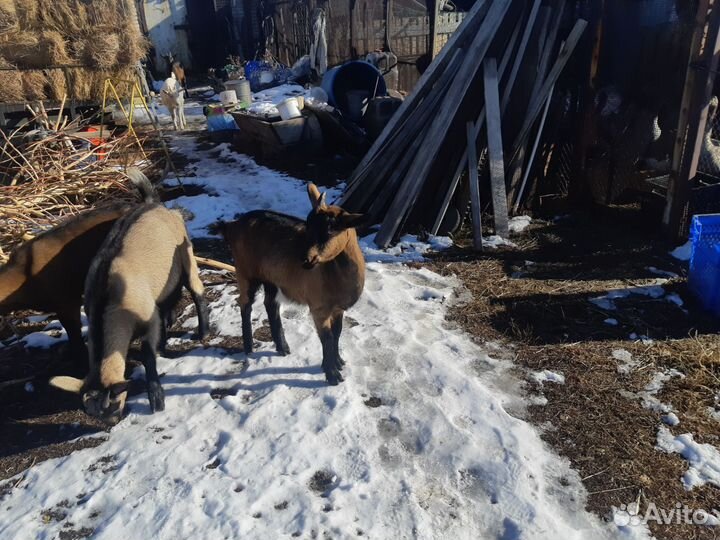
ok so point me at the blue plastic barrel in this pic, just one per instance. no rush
(704, 274)
(355, 76)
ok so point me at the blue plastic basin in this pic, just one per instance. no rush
(704, 275)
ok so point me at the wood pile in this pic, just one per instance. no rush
(67, 47)
(504, 53)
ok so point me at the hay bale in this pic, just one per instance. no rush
(53, 49)
(55, 84)
(99, 50)
(8, 16)
(33, 85)
(30, 50)
(80, 84)
(20, 49)
(101, 34)
(134, 47)
(11, 88)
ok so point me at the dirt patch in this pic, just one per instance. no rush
(545, 300)
(76, 534)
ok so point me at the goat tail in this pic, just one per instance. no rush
(219, 227)
(143, 185)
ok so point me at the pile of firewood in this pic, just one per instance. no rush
(469, 103)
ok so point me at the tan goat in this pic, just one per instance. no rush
(135, 279)
(48, 273)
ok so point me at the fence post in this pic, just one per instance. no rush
(699, 86)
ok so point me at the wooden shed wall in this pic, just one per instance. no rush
(356, 27)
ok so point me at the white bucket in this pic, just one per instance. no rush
(228, 98)
(289, 109)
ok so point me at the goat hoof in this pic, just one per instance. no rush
(156, 396)
(334, 377)
(341, 362)
(283, 349)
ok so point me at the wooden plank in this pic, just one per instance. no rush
(382, 199)
(539, 99)
(397, 147)
(548, 35)
(434, 31)
(474, 183)
(533, 152)
(495, 149)
(416, 176)
(694, 57)
(697, 120)
(520, 54)
(579, 191)
(477, 126)
(465, 31)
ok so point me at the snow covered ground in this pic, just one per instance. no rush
(424, 439)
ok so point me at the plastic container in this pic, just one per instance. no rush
(289, 109)
(704, 275)
(228, 98)
(352, 76)
(242, 90)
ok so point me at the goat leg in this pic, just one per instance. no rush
(148, 350)
(202, 313)
(337, 326)
(246, 312)
(272, 307)
(330, 363)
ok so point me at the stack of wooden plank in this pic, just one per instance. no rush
(458, 111)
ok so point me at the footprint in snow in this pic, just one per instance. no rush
(389, 427)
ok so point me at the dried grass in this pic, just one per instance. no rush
(8, 16)
(27, 12)
(55, 84)
(542, 311)
(11, 88)
(33, 85)
(53, 49)
(45, 180)
(21, 49)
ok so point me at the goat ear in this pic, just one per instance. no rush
(314, 195)
(69, 384)
(348, 220)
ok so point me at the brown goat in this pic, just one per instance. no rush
(176, 68)
(135, 279)
(48, 273)
(316, 262)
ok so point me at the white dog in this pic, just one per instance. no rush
(172, 96)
